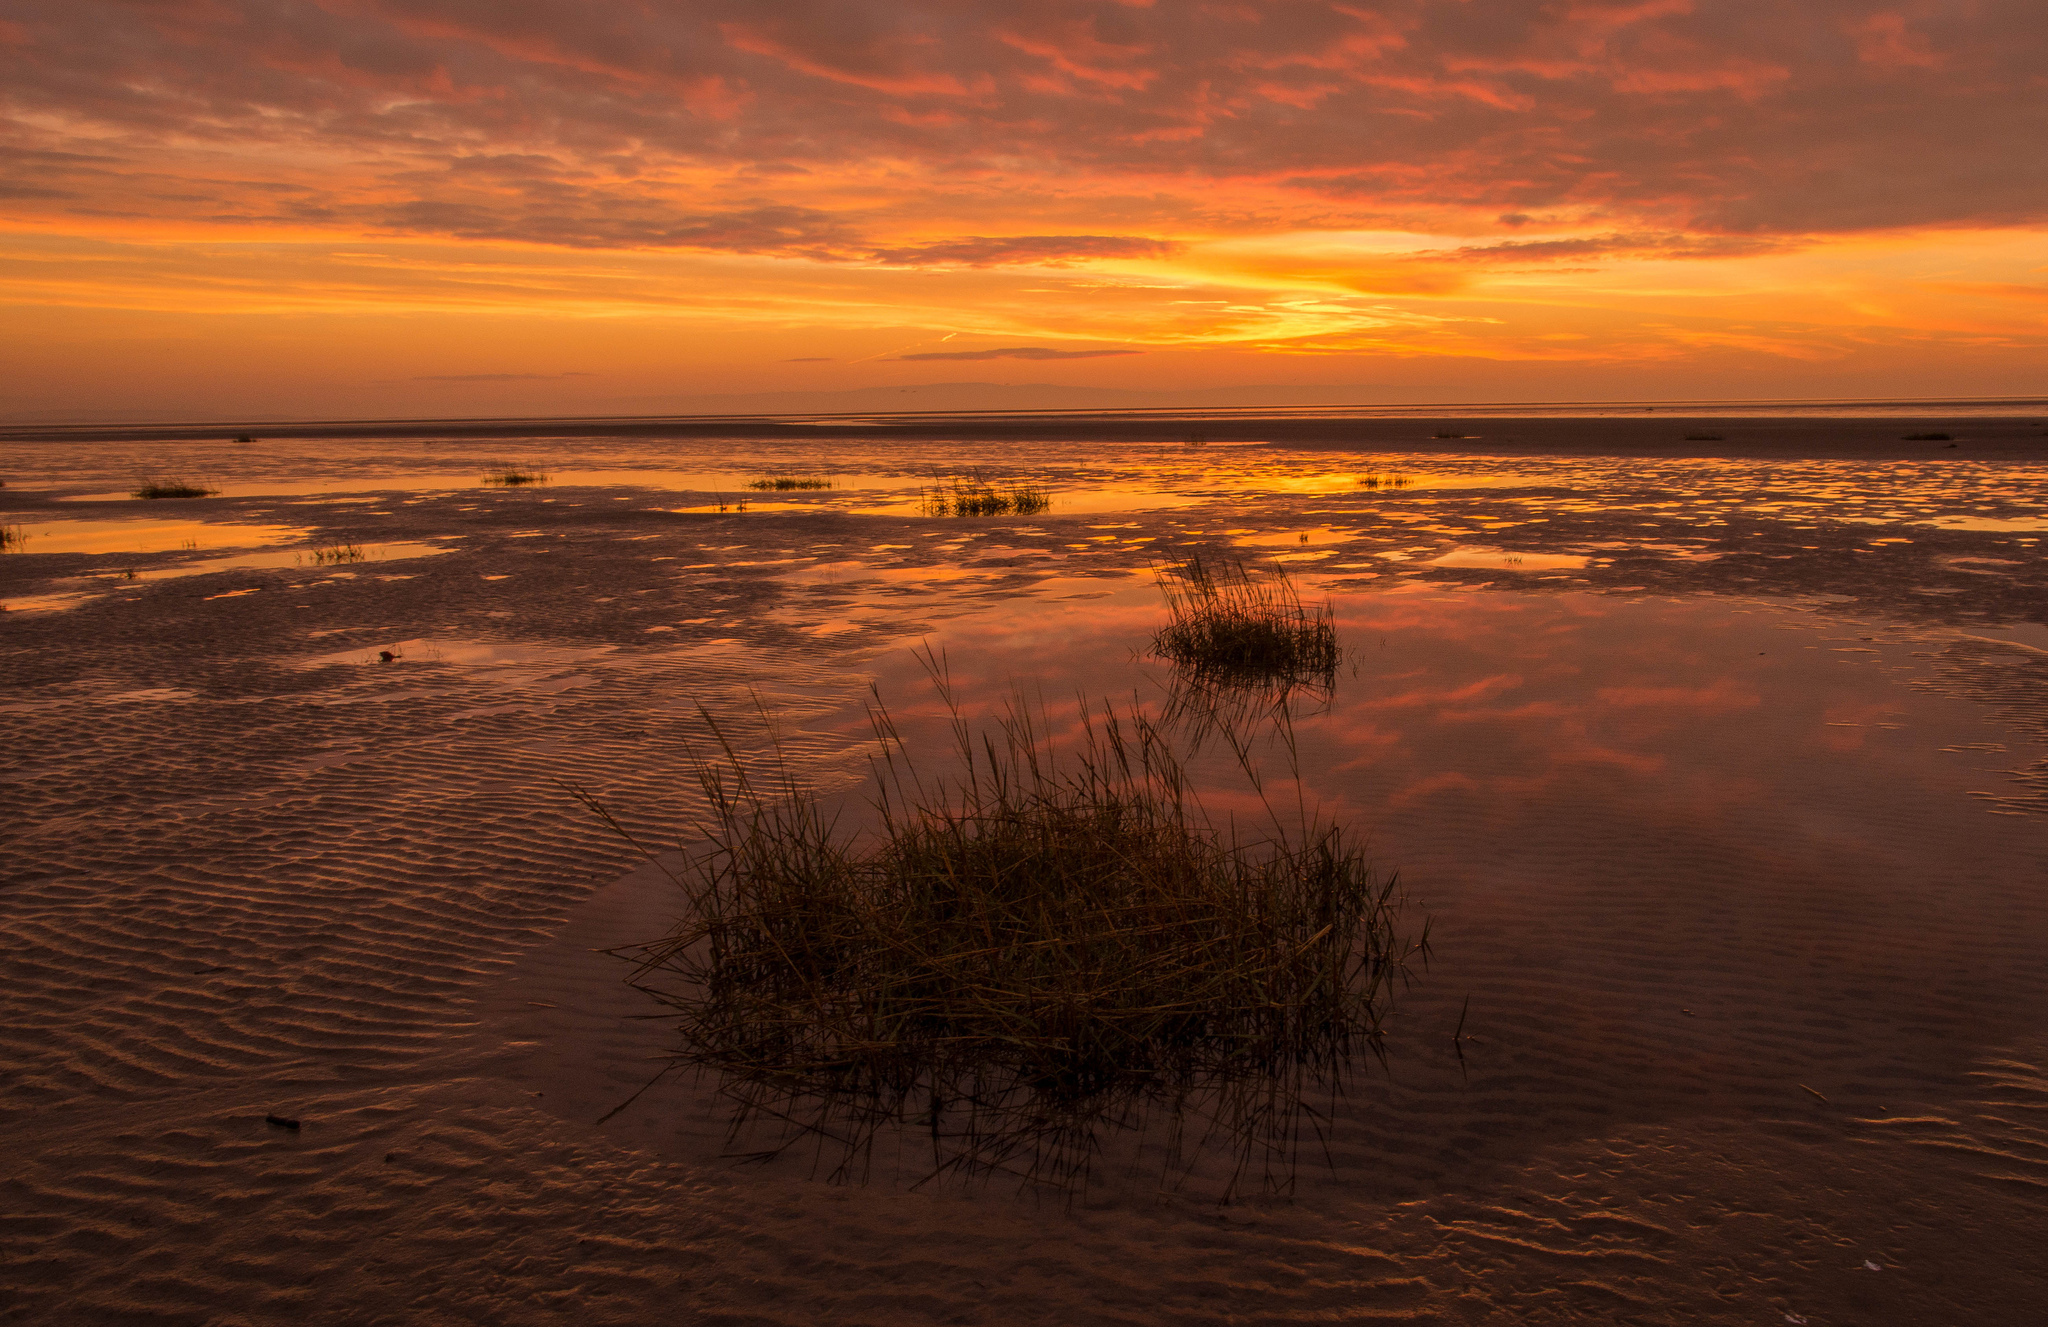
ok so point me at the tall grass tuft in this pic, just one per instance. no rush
(1234, 626)
(1373, 479)
(977, 497)
(13, 538)
(789, 483)
(1025, 955)
(173, 488)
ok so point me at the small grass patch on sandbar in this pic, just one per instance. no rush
(512, 476)
(789, 483)
(1235, 626)
(12, 538)
(976, 497)
(1040, 946)
(1373, 479)
(333, 555)
(173, 488)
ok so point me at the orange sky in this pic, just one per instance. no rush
(264, 208)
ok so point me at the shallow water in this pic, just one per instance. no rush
(146, 535)
(1724, 783)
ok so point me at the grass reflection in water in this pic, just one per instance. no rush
(789, 483)
(512, 476)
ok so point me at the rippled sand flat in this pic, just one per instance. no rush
(1724, 780)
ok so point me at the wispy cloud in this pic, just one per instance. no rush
(1046, 250)
(498, 377)
(1018, 352)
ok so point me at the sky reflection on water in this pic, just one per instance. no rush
(1514, 701)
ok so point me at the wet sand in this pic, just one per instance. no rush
(1723, 780)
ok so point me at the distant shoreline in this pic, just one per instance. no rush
(2006, 429)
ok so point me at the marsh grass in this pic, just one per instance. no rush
(173, 488)
(1028, 955)
(1373, 479)
(333, 555)
(13, 538)
(977, 497)
(789, 483)
(512, 476)
(1236, 627)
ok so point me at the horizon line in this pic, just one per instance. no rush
(1451, 408)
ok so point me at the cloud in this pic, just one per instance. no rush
(1045, 250)
(849, 130)
(579, 220)
(499, 377)
(1609, 246)
(1017, 352)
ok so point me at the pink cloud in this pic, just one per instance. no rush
(1884, 41)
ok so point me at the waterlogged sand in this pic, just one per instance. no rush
(1723, 779)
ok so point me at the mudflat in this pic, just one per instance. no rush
(1715, 749)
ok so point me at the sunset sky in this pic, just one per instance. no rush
(268, 208)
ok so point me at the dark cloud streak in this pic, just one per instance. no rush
(499, 377)
(984, 251)
(1018, 352)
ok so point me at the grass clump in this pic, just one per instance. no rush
(789, 483)
(333, 555)
(1372, 479)
(1235, 627)
(512, 476)
(1022, 955)
(977, 497)
(1928, 437)
(173, 488)
(12, 538)
(1447, 433)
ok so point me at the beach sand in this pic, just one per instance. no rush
(1723, 779)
